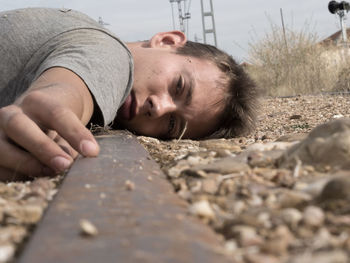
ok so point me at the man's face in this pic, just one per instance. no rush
(170, 90)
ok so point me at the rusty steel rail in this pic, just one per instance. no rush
(141, 220)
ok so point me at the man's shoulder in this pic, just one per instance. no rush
(50, 18)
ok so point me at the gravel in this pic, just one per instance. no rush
(260, 192)
(278, 195)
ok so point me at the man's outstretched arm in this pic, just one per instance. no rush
(45, 127)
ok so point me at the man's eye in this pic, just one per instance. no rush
(171, 125)
(179, 86)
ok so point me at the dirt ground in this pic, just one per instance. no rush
(263, 193)
(271, 204)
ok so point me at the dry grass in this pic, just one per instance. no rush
(297, 64)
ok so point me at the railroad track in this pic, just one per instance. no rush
(135, 212)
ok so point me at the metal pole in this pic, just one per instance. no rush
(203, 27)
(172, 12)
(284, 29)
(182, 27)
(213, 21)
(342, 25)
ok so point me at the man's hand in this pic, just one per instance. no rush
(43, 131)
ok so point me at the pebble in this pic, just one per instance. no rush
(259, 159)
(336, 256)
(175, 171)
(278, 241)
(291, 198)
(295, 117)
(284, 178)
(337, 188)
(87, 228)
(266, 173)
(13, 234)
(271, 201)
(224, 153)
(220, 144)
(255, 200)
(246, 236)
(313, 216)
(261, 258)
(338, 116)
(226, 187)
(223, 166)
(27, 214)
(238, 207)
(202, 209)
(264, 220)
(194, 160)
(295, 137)
(270, 146)
(209, 186)
(313, 188)
(231, 246)
(326, 145)
(185, 194)
(322, 239)
(291, 216)
(7, 251)
(129, 185)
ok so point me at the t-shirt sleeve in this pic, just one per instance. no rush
(99, 59)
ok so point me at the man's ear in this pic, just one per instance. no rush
(171, 39)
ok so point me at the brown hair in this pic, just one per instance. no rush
(241, 100)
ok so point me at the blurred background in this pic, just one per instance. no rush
(288, 47)
(237, 23)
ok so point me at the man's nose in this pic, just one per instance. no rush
(160, 105)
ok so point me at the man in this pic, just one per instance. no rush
(61, 71)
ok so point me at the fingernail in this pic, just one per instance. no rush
(88, 148)
(60, 163)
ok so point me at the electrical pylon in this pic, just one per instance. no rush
(207, 29)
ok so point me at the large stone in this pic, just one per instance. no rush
(336, 256)
(335, 195)
(220, 144)
(337, 188)
(327, 145)
(226, 165)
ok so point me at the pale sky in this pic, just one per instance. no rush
(237, 22)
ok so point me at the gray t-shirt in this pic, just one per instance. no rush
(33, 40)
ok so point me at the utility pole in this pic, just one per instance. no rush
(207, 30)
(183, 14)
(284, 29)
(340, 9)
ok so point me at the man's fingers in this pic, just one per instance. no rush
(17, 160)
(63, 121)
(24, 132)
(63, 144)
(69, 127)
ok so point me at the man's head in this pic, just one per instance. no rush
(180, 84)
